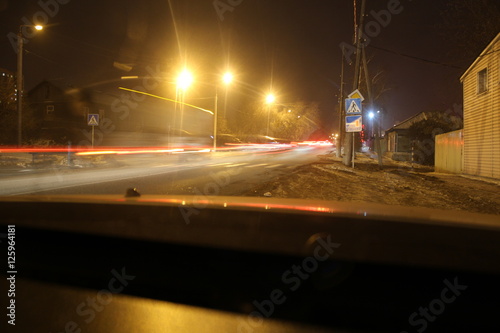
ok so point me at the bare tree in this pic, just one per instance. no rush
(291, 121)
(295, 121)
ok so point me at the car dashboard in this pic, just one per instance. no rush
(233, 264)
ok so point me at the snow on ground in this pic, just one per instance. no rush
(397, 183)
(51, 160)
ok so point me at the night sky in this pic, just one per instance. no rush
(290, 47)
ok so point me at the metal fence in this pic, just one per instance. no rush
(449, 151)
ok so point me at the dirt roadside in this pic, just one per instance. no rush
(397, 183)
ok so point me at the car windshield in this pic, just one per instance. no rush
(310, 100)
(394, 103)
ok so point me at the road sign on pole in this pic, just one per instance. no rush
(93, 119)
(356, 94)
(353, 124)
(353, 105)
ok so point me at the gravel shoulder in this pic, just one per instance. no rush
(396, 183)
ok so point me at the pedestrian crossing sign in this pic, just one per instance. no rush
(93, 119)
(353, 105)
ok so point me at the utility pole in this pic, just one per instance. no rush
(215, 118)
(19, 86)
(349, 139)
(370, 98)
(20, 83)
(341, 109)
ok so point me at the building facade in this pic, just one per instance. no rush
(481, 89)
(8, 90)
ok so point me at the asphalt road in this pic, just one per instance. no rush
(224, 173)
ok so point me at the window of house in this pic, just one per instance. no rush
(482, 81)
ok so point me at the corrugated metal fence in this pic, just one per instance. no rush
(448, 155)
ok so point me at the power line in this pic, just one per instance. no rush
(42, 57)
(416, 58)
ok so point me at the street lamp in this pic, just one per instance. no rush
(184, 80)
(371, 116)
(269, 100)
(20, 44)
(227, 78)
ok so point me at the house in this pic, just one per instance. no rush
(8, 89)
(408, 143)
(397, 138)
(62, 111)
(57, 110)
(481, 136)
(8, 107)
(125, 118)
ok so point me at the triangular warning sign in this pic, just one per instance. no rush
(353, 108)
(356, 94)
(93, 121)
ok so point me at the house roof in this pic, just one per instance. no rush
(62, 87)
(74, 92)
(405, 124)
(485, 52)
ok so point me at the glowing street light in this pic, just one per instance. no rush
(269, 100)
(227, 78)
(371, 116)
(184, 80)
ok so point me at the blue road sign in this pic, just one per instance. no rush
(353, 105)
(93, 119)
(353, 124)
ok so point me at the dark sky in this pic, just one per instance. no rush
(292, 46)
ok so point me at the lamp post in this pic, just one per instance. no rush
(184, 80)
(19, 83)
(226, 79)
(269, 100)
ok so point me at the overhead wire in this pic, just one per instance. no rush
(415, 57)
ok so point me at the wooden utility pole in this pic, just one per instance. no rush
(370, 98)
(349, 139)
(340, 138)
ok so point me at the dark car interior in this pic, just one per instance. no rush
(138, 265)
